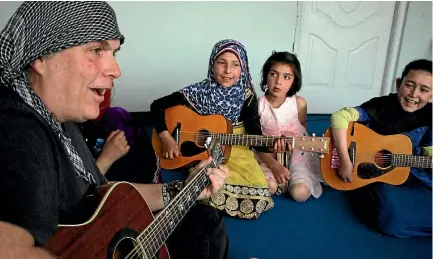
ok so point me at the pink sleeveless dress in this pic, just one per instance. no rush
(284, 120)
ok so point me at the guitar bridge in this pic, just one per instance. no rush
(176, 133)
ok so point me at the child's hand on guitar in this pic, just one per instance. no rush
(217, 177)
(171, 149)
(282, 145)
(115, 147)
(345, 170)
(281, 173)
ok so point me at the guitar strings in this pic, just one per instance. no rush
(423, 160)
(203, 181)
(153, 230)
(231, 134)
(396, 156)
(156, 228)
(251, 138)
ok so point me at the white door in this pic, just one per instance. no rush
(342, 47)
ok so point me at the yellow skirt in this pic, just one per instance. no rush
(245, 193)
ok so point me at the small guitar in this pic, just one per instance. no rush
(190, 130)
(375, 158)
(121, 224)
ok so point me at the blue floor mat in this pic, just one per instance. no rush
(319, 228)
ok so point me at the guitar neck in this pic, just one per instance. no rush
(402, 160)
(164, 224)
(247, 140)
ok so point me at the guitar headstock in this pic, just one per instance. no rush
(312, 144)
(215, 150)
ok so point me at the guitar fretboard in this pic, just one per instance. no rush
(164, 224)
(402, 160)
(153, 237)
(247, 140)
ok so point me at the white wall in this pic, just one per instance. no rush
(7, 8)
(417, 34)
(168, 43)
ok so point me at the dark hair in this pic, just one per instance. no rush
(419, 64)
(285, 58)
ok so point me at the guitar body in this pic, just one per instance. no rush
(191, 145)
(370, 154)
(121, 214)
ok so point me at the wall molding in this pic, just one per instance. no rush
(395, 41)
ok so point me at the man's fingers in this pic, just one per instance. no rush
(203, 163)
(217, 178)
(225, 169)
(217, 172)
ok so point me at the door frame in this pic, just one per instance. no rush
(395, 40)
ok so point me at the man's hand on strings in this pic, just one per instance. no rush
(217, 177)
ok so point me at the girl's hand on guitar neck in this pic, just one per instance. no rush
(282, 145)
(281, 173)
(171, 149)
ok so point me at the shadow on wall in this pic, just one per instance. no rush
(429, 50)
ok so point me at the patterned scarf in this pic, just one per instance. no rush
(208, 97)
(40, 28)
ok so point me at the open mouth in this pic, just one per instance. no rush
(98, 93)
(411, 102)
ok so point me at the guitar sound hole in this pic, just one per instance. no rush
(200, 139)
(122, 243)
(189, 148)
(383, 159)
(124, 247)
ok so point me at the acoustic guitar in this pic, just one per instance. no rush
(121, 224)
(375, 158)
(189, 129)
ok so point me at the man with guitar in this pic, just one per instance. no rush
(56, 61)
(396, 210)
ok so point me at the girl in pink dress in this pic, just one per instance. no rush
(282, 112)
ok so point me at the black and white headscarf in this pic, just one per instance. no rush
(40, 28)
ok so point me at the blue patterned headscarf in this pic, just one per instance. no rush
(209, 97)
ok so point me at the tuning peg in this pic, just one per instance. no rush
(321, 155)
(305, 134)
(302, 153)
(314, 134)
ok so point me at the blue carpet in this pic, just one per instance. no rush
(319, 228)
